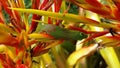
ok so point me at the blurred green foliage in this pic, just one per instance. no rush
(73, 9)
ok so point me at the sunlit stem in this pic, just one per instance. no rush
(47, 60)
(26, 22)
(110, 57)
(63, 6)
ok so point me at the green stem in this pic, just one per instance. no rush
(117, 50)
(110, 57)
(67, 16)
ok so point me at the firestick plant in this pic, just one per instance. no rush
(45, 34)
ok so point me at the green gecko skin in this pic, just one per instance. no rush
(61, 33)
